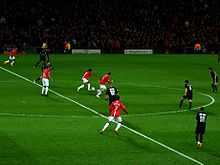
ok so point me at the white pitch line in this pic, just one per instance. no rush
(126, 116)
(44, 115)
(97, 113)
(177, 111)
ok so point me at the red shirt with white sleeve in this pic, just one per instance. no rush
(104, 79)
(87, 75)
(116, 107)
(13, 52)
(46, 73)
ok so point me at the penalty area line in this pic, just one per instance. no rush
(105, 117)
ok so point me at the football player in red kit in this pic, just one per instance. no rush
(102, 83)
(85, 80)
(115, 114)
(46, 74)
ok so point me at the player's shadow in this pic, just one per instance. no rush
(54, 98)
(132, 140)
(211, 152)
(135, 127)
(135, 143)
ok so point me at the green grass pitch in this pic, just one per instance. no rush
(51, 130)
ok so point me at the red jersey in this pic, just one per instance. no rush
(116, 107)
(46, 73)
(13, 52)
(104, 79)
(87, 75)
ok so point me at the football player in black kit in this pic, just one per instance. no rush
(111, 94)
(188, 94)
(201, 117)
(214, 77)
(44, 58)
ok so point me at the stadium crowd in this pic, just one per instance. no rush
(111, 25)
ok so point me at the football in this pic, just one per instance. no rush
(93, 88)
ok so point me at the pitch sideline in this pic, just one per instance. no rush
(98, 114)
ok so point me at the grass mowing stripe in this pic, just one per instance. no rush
(74, 116)
(95, 112)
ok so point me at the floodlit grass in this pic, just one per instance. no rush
(38, 130)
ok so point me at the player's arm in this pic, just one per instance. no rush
(47, 57)
(185, 92)
(215, 79)
(124, 108)
(106, 95)
(109, 81)
(197, 116)
(49, 74)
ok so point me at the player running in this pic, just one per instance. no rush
(115, 114)
(12, 56)
(102, 83)
(111, 93)
(188, 94)
(46, 75)
(201, 117)
(214, 77)
(37, 80)
(44, 57)
(85, 80)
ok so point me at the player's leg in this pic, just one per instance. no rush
(99, 92)
(43, 87)
(199, 141)
(213, 87)
(181, 102)
(84, 81)
(216, 87)
(89, 86)
(119, 120)
(37, 63)
(110, 119)
(197, 135)
(12, 60)
(80, 87)
(46, 86)
(101, 89)
(6, 62)
(202, 131)
(190, 104)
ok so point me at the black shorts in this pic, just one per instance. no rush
(200, 129)
(43, 58)
(111, 99)
(189, 97)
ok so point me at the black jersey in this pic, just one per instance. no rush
(214, 76)
(189, 89)
(201, 118)
(44, 55)
(111, 92)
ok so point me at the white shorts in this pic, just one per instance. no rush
(118, 119)
(85, 80)
(102, 87)
(45, 82)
